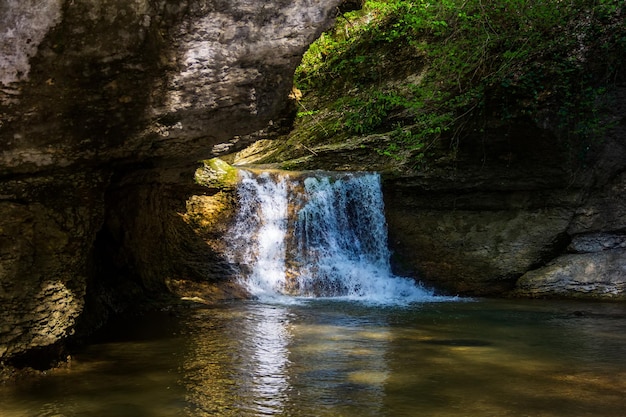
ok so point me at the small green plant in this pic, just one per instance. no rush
(307, 113)
(364, 116)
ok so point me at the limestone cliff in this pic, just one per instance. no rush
(105, 107)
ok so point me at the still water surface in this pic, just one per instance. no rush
(336, 358)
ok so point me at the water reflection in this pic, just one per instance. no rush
(127, 372)
(249, 363)
(482, 359)
(502, 359)
(348, 350)
(239, 361)
(265, 338)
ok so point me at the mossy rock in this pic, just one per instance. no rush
(215, 173)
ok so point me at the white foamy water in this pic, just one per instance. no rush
(258, 237)
(317, 235)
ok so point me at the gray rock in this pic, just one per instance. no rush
(596, 242)
(600, 275)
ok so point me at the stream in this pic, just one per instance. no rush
(344, 358)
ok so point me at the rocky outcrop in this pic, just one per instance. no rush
(594, 263)
(105, 107)
(599, 275)
(164, 234)
(503, 208)
(520, 219)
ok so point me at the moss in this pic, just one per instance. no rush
(215, 173)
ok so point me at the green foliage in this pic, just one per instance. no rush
(307, 113)
(505, 58)
(366, 116)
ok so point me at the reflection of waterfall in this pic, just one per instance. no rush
(258, 359)
(346, 356)
(239, 366)
(266, 339)
(316, 234)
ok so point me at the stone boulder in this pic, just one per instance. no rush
(600, 275)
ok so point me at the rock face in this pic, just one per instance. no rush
(594, 263)
(478, 227)
(105, 107)
(513, 212)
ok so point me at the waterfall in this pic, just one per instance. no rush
(316, 235)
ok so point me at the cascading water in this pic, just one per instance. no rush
(258, 237)
(316, 235)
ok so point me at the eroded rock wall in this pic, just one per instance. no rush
(475, 224)
(47, 228)
(517, 212)
(99, 101)
(593, 265)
